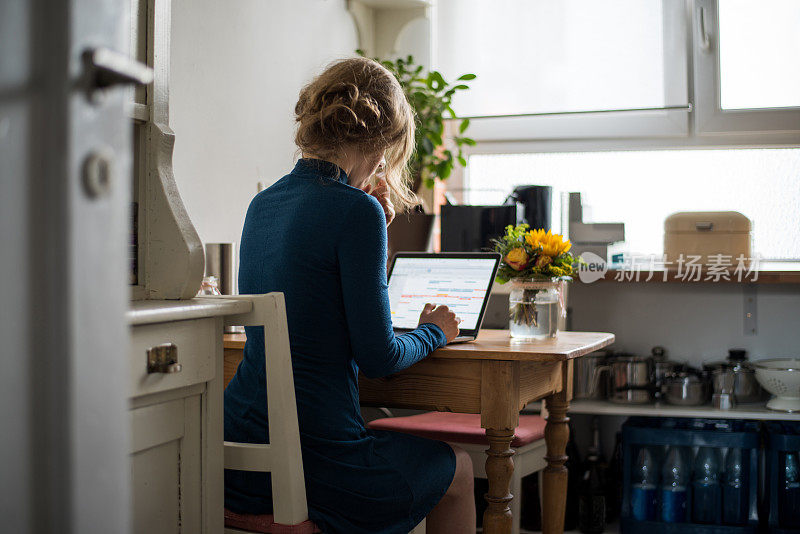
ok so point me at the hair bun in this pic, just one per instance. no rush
(358, 103)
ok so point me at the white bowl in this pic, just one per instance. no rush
(781, 377)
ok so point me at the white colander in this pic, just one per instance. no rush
(781, 377)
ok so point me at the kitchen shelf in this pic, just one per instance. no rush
(746, 411)
(768, 273)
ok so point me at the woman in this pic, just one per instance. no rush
(319, 236)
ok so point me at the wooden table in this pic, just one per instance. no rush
(495, 377)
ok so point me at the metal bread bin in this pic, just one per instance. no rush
(707, 233)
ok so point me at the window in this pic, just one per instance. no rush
(540, 57)
(684, 72)
(641, 188)
(747, 78)
(759, 54)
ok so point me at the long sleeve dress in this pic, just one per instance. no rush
(322, 243)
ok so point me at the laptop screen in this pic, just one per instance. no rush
(458, 283)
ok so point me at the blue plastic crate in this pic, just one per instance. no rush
(659, 432)
(781, 437)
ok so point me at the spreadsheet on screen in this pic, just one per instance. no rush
(458, 283)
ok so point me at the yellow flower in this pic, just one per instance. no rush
(517, 259)
(552, 244)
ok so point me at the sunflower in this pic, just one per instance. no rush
(552, 244)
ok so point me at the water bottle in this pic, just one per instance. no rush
(674, 478)
(789, 504)
(643, 487)
(735, 505)
(707, 495)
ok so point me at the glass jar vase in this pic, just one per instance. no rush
(534, 308)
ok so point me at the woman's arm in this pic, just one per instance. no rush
(362, 262)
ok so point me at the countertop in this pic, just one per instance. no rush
(159, 311)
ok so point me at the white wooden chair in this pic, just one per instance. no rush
(282, 456)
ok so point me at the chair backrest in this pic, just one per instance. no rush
(282, 457)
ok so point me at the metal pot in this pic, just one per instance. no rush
(662, 370)
(686, 389)
(585, 368)
(746, 388)
(628, 379)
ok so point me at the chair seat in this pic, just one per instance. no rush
(458, 427)
(266, 524)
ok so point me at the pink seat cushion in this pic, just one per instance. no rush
(458, 427)
(266, 524)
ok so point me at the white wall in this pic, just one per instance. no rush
(237, 67)
(694, 322)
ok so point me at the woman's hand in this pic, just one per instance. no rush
(442, 317)
(381, 193)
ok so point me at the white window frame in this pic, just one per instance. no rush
(692, 118)
(671, 120)
(710, 118)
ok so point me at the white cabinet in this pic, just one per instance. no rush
(165, 466)
(176, 451)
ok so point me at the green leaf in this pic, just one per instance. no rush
(461, 87)
(435, 137)
(467, 77)
(468, 141)
(427, 146)
(462, 161)
(463, 126)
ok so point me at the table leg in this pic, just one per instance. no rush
(499, 468)
(554, 491)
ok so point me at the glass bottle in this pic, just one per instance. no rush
(735, 505)
(789, 504)
(643, 487)
(209, 286)
(706, 492)
(614, 482)
(591, 496)
(674, 478)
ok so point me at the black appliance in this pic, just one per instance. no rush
(471, 228)
(535, 202)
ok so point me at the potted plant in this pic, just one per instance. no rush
(436, 154)
(537, 263)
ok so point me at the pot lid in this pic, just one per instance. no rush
(737, 361)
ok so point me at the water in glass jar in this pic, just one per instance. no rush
(533, 320)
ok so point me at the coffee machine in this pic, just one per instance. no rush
(534, 205)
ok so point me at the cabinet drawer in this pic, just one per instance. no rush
(196, 342)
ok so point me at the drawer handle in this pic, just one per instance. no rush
(163, 359)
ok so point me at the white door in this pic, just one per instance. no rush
(64, 193)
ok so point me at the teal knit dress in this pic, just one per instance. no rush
(323, 244)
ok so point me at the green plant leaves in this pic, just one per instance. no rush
(429, 94)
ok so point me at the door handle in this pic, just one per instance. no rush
(104, 68)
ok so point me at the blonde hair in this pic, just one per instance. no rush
(358, 103)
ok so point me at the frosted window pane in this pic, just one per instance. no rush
(759, 53)
(642, 188)
(537, 56)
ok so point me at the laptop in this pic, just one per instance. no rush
(462, 281)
